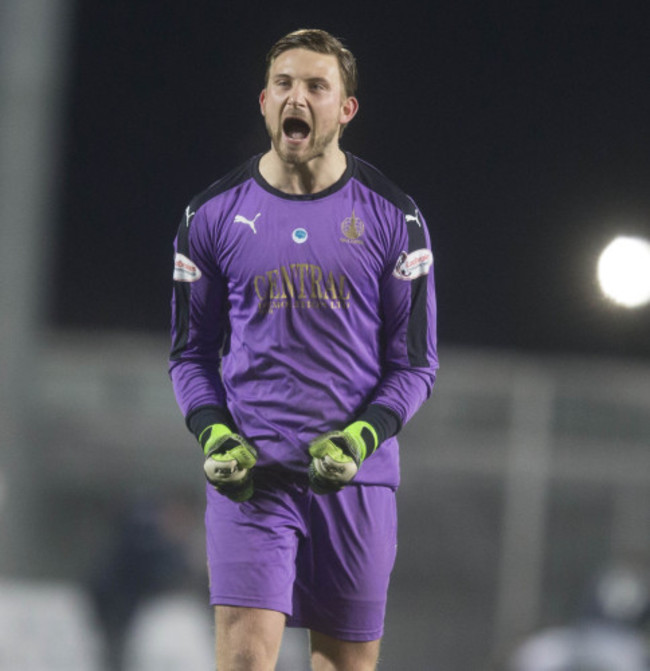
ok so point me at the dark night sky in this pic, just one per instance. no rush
(522, 130)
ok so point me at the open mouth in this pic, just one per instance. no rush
(295, 129)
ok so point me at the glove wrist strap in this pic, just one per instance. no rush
(211, 435)
(365, 437)
(204, 416)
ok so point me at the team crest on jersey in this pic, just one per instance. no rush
(185, 270)
(352, 228)
(413, 265)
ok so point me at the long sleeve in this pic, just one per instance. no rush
(408, 306)
(199, 319)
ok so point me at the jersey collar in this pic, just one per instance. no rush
(339, 184)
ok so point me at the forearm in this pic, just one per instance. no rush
(403, 391)
(197, 384)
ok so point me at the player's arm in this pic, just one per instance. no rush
(199, 331)
(410, 360)
(410, 357)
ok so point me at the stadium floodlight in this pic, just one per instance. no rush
(624, 271)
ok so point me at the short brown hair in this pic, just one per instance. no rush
(321, 42)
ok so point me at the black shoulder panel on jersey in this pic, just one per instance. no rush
(229, 181)
(418, 325)
(374, 179)
(182, 289)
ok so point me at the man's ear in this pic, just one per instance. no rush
(349, 109)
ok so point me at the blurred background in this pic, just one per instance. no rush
(523, 132)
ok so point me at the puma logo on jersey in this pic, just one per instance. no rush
(410, 217)
(239, 219)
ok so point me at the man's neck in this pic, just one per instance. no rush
(302, 178)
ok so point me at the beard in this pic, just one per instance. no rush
(315, 146)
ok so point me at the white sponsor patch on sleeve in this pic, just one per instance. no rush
(185, 270)
(413, 265)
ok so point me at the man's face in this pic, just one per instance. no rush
(304, 105)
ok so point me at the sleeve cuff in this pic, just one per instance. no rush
(199, 419)
(385, 422)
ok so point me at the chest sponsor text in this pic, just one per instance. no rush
(302, 286)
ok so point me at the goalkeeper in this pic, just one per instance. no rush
(303, 339)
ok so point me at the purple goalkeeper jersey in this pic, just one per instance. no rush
(295, 312)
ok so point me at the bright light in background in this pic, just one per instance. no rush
(624, 271)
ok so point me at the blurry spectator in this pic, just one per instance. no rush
(610, 636)
(150, 555)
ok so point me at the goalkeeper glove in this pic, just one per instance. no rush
(337, 456)
(228, 463)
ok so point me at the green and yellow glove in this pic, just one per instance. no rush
(336, 456)
(229, 459)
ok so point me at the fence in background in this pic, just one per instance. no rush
(522, 477)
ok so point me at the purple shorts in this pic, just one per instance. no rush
(324, 561)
